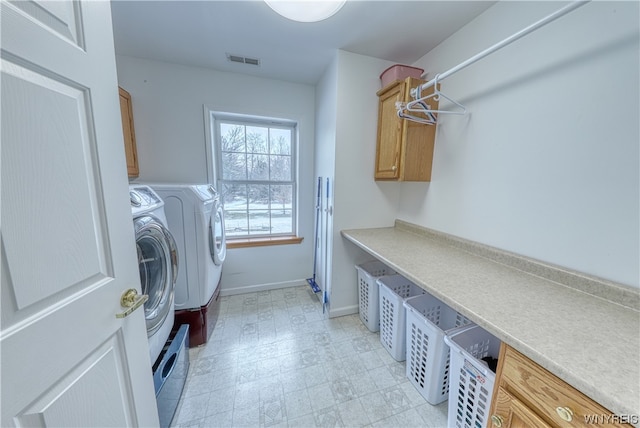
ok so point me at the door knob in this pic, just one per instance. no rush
(132, 301)
(497, 420)
(565, 413)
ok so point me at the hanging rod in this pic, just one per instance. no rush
(544, 21)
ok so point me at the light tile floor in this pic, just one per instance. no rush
(274, 361)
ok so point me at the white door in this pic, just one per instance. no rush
(68, 249)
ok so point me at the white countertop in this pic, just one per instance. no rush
(588, 341)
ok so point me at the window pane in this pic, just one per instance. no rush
(280, 141)
(280, 168)
(258, 167)
(281, 221)
(234, 166)
(258, 196)
(232, 138)
(259, 222)
(234, 198)
(234, 161)
(281, 196)
(259, 209)
(281, 209)
(257, 139)
(236, 223)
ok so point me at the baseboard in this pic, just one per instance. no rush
(261, 287)
(345, 310)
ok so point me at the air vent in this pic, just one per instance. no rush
(243, 60)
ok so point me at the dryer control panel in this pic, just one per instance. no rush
(205, 192)
(143, 198)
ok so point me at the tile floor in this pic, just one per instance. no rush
(274, 361)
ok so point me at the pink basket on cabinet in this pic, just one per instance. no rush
(399, 72)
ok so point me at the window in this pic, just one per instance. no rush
(256, 169)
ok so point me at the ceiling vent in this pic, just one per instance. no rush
(243, 60)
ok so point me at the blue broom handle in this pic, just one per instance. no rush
(315, 249)
(327, 191)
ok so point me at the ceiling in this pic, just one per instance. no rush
(202, 33)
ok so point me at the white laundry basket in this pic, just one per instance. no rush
(394, 290)
(471, 381)
(427, 367)
(368, 273)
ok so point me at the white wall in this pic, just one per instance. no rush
(358, 200)
(168, 110)
(546, 162)
(325, 154)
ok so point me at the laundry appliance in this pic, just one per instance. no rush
(157, 263)
(196, 219)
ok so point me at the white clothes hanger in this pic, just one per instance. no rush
(401, 108)
(436, 95)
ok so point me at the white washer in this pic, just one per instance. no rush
(196, 219)
(157, 262)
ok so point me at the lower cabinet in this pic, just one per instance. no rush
(508, 411)
(527, 395)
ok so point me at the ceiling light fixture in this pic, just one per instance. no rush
(306, 10)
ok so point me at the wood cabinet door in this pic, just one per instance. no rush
(389, 144)
(128, 131)
(404, 150)
(512, 413)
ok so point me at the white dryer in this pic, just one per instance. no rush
(196, 220)
(157, 262)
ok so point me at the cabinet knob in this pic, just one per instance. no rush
(497, 420)
(565, 413)
(393, 168)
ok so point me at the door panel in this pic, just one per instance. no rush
(514, 413)
(59, 17)
(62, 149)
(67, 244)
(92, 381)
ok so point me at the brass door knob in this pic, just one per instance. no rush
(132, 301)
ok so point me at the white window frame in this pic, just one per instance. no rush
(214, 161)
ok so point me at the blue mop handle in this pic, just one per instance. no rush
(327, 192)
(315, 250)
(325, 297)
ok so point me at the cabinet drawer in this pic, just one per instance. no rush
(548, 395)
(510, 412)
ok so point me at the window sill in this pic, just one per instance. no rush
(263, 241)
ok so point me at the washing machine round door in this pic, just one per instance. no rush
(217, 236)
(158, 265)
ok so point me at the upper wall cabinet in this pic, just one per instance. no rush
(404, 149)
(131, 153)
